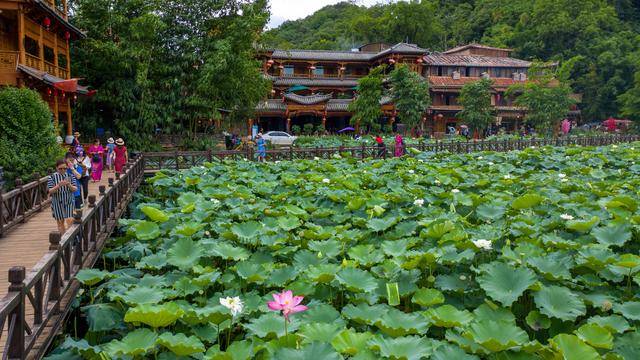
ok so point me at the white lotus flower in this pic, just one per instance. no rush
(533, 147)
(463, 277)
(562, 176)
(418, 202)
(215, 201)
(437, 182)
(480, 158)
(564, 180)
(566, 217)
(482, 244)
(455, 191)
(207, 233)
(614, 146)
(277, 162)
(420, 160)
(411, 171)
(202, 167)
(316, 158)
(507, 177)
(326, 181)
(490, 163)
(234, 304)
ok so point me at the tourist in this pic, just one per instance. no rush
(464, 131)
(75, 170)
(262, 147)
(382, 148)
(111, 155)
(565, 126)
(75, 143)
(61, 188)
(121, 155)
(85, 162)
(96, 152)
(399, 146)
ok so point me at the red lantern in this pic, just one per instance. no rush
(312, 67)
(269, 62)
(440, 116)
(392, 61)
(46, 22)
(75, 97)
(419, 61)
(49, 91)
(67, 35)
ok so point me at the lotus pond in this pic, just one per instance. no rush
(521, 255)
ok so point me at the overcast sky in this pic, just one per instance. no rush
(282, 10)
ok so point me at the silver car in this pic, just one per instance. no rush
(280, 138)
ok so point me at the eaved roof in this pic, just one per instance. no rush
(450, 82)
(290, 81)
(44, 6)
(330, 55)
(48, 78)
(307, 100)
(444, 59)
(476, 46)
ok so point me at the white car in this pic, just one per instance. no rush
(279, 138)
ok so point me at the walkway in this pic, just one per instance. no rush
(27, 243)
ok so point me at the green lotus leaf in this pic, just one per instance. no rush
(155, 316)
(538, 321)
(271, 325)
(571, 347)
(321, 313)
(395, 248)
(616, 235)
(323, 332)
(227, 251)
(490, 212)
(559, 302)
(613, 323)
(211, 314)
(252, 272)
(627, 345)
(554, 266)
(315, 350)
(448, 352)
(357, 280)
(527, 201)
(628, 261)
(630, 310)
(323, 273)
(505, 283)
(402, 348)
(146, 230)
(451, 282)
(184, 254)
(492, 312)
(91, 277)
(365, 255)
(155, 261)
(104, 317)
(427, 297)
(496, 335)
(596, 336)
(247, 231)
(189, 228)
(328, 248)
(288, 223)
(142, 295)
(363, 313)
(448, 316)
(438, 229)
(350, 342)
(188, 198)
(180, 344)
(382, 224)
(397, 323)
(155, 214)
(583, 226)
(136, 343)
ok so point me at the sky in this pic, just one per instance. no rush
(282, 10)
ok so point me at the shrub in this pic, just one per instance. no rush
(308, 129)
(27, 136)
(295, 129)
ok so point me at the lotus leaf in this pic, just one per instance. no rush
(142, 295)
(288, 223)
(104, 317)
(91, 277)
(350, 342)
(155, 214)
(407, 348)
(247, 231)
(271, 325)
(184, 254)
(155, 316)
(227, 251)
(630, 310)
(180, 344)
(135, 343)
(365, 255)
(448, 316)
(538, 321)
(629, 261)
(527, 201)
(583, 226)
(188, 229)
(428, 297)
(315, 350)
(613, 323)
(627, 345)
(323, 273)
(364, 314)
(493, 312)
(596, 336)
(397, 323)
(505, 283)
(496, 335)
(572, 348)
(382, 224)
(559, 302)
(146, 230)
(448, 352)
(323, 332)
(616, 235)
(357, 280)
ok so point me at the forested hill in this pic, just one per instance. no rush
(596, 41)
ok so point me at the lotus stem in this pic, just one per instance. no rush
(229, 333)
(285, 328)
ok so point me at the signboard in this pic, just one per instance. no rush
(254, 131)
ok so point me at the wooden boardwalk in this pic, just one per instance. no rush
(27, 243)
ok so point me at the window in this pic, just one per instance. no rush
(31, 46)
(318, 71)
(49, 55)
(62, 61)
(288, 70)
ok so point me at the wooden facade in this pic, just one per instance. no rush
(35, 40)
(319, 85)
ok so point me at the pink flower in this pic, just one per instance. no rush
(287, 303)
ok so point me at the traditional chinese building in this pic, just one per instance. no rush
(317, 86)
(34, 53)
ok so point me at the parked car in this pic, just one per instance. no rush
(280, 138)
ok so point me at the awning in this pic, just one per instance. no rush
(297, 88)
(66, 85)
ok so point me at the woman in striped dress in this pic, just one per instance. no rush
(61, 188)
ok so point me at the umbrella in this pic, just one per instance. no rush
(346, 129)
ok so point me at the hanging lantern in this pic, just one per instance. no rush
(64, 94)
(75, 97)
(312, 67)
(281, 67)
(67, 35)
(440, 116)
(392, 61)
(342, 68)
(273, 91)
(269, 62)
(419, 61)
(49, 92)
(46, 22)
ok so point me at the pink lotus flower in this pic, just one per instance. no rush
(287, 303)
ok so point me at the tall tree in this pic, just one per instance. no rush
(631, 101)
(410, 94)
(366, 106)
(475, 97)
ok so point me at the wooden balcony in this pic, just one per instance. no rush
(37, 63)
(8, 60)
(33, 62)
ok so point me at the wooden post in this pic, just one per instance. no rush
(41, 49)
(56, 280)
(15, 348)
(21, 49)
(20, 199)
(1, 202)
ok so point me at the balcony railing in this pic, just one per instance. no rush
(33, 62)
(8, 60)
(37, 63)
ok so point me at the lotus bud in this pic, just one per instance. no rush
(606, 305)
(320, 255)
(463, 278)
(431, 278)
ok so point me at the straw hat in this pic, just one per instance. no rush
(110, 140)
(120, 142)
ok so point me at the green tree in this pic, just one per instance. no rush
(631, 101)
(27, 136)
(547, 100)
(475, 97)
(410, 94)
(366, 106)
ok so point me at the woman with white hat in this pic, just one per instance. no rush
(122, 156)
(111, 155)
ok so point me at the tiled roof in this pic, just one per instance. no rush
(48, 78)
(307, 100)
(401, 48)
(446, 107)
(444, 59)
(271, 105)
(450, 82)
(44, 6)
(477, 46)
(290, 81)
(338, 104)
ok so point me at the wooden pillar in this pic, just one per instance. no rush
(15, 349)
(56, 112)
(289, 125)
(55, 54)
(249, 126)
(23, 58)
(41, 48)
(66, 9)
(69, 122)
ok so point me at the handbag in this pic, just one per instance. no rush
(97, 158)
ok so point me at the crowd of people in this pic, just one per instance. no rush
(69, 184)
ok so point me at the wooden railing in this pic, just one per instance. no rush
(176, 160)
(33, 61)
(8, 60)
(47, 291)
(24, 201)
